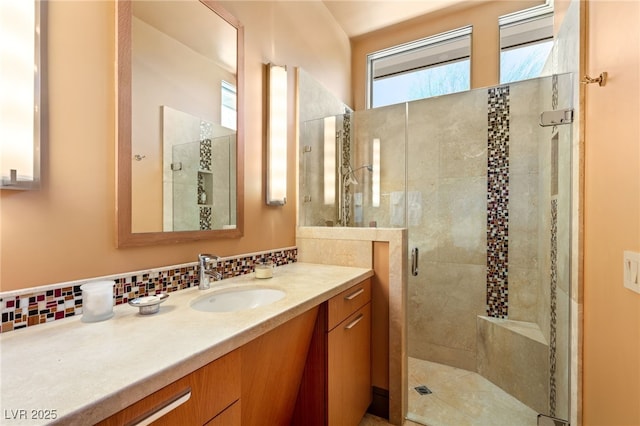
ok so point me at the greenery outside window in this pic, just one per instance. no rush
(432, 66)
(526, 39)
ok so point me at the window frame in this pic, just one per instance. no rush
(523, 17)
(229, 88)
(415, 45)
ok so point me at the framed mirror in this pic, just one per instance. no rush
(180, 134)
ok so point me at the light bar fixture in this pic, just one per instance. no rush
(277, 136)
(375, 179)
(19, 94)
(329, 160)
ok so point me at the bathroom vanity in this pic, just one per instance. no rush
(230, 368)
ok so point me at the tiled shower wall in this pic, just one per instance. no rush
(30, 307)
(447, 164)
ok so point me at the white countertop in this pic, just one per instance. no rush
(84, 372)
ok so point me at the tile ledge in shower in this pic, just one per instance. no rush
(530, 330)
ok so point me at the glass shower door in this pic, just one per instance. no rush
(185, 179)
(488, 210)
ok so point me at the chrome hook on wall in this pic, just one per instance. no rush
(139, 157)
(601, 79)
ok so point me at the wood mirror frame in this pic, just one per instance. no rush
(125, 236)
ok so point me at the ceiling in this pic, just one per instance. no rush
(359, 17)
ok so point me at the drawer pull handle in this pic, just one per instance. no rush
(354, 294)
(354, 322)
(170, 405)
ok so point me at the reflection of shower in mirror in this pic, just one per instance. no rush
(198, 165)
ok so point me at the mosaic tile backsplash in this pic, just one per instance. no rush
(26, 308)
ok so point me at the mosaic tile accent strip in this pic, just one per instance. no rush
(555, 95)
(206, 152)
(46, 304)
(498, 202)
(553, 325)
(555, 164)
(206, 218)
(346, 165)
(39, 307)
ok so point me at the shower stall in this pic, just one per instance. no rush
(482, 181)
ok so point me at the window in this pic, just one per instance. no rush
(429, 67)
(526, 39)
(228, 111)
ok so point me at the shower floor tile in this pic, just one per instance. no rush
(459, 398)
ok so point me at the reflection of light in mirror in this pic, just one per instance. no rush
(18, 103)
(375, 179)
(277, 136)
(330, 160)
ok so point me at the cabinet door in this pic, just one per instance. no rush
(349, 369)
(272, 368)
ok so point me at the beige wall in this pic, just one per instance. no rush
(485, 43)
(612, 215)
(66, 230)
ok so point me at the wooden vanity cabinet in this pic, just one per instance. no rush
(209, 395)
(315, 369)
(336, 385)
(349, 369)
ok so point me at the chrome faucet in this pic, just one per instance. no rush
(207, 269)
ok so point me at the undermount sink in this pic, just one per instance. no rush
(237, 299)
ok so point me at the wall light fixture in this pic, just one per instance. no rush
(20, 94)
(329, 164)
(277, 135)
(375, 179)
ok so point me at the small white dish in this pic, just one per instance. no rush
(149, 304)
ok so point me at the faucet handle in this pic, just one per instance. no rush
(205, 258)
(205, 271)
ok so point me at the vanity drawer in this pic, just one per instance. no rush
(347, 302)
(192, 400)
(229, 417)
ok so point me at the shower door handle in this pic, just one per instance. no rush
(414, 261)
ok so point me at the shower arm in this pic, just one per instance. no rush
(349, 171)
